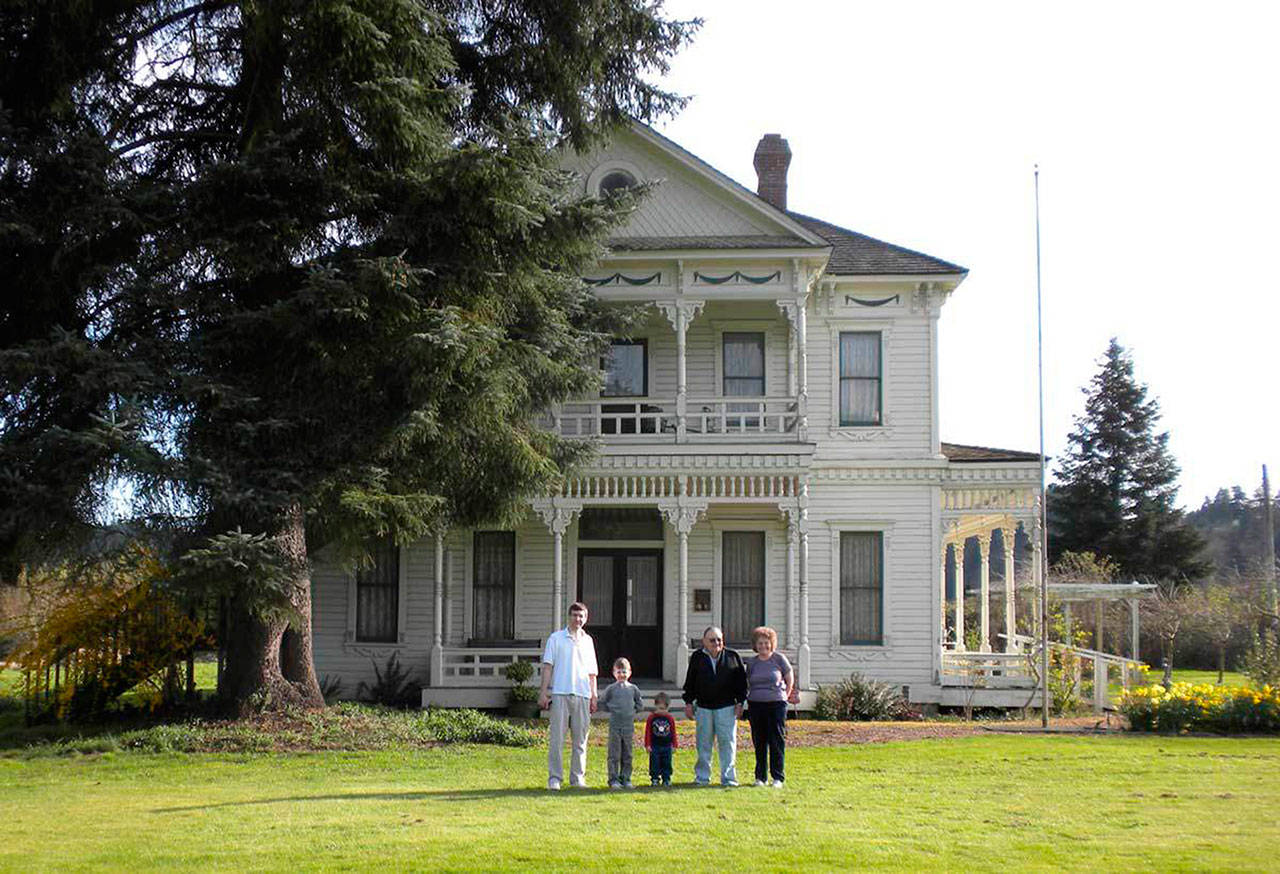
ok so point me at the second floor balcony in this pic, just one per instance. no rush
(700, 371)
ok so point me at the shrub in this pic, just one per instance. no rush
(520, 673)
(859, 699)
(330, 688)
(1186, 707)
(394, 685)
(1262, 662)
(474, 727)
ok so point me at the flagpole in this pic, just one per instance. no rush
(1044, 511)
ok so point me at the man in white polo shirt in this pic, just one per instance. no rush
(569, 688)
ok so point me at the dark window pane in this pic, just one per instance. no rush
(742, 584)
(861, 587)
(619, 523)
(625, 369)
(494, 587)
(642, 590)
(378, 596)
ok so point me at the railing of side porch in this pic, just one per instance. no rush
(474, 666)
(1019, 670)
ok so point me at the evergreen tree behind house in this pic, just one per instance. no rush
(1115, 487)
(302, 274)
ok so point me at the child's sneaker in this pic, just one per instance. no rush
(615, 785)
(777, 784)
(759, 783)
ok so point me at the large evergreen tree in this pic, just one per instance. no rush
(298, 273)
(1116, 484)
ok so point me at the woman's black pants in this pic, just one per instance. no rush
(768, 721)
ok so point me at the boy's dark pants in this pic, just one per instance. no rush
(769, 736)
(660, 764)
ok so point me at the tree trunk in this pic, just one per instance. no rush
(263, 670)
(1222, 662)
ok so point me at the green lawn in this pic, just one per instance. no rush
(987, 802)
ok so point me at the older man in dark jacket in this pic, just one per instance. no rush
(714, 688)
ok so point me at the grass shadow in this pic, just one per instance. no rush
(451, 795)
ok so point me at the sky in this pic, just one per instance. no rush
(1155, 128)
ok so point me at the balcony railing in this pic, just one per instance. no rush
(658, 418)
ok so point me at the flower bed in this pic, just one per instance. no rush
(1202, 707)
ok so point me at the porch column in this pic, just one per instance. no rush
(942, 598)
(793, 537)
(682, 514)
(798, 548)
(1097, 625)
(795, 312)
(1037, 576)
(680, 313)
(984, 577)
(957, 571)
(558, 514)
(804, 656)
(1133, 629)
(437, 641)
(1009, 536)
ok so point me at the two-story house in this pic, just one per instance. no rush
(769, 454)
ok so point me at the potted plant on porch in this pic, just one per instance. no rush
(522, 700)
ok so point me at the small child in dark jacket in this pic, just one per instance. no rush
(660, 739)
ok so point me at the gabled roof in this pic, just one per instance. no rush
(743, 194)
(957, 453)
(855, 254)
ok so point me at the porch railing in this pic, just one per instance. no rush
(658, 418)
(468, 666)
(1020, 670)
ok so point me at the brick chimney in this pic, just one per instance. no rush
(773, 157)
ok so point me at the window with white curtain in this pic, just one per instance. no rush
(741, 584)
(743, 364)
(378, 596)
(861, 587)
(860, 378)
(493, 590)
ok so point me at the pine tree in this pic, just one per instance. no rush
(299, 274)
(1116, 484)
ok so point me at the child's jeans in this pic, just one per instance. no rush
(660, 764)
(620, 756)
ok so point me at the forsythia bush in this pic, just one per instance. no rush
(1185, 707)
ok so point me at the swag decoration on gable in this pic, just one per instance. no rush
(618, 279)
(738, 276)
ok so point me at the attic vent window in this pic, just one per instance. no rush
(615, 182)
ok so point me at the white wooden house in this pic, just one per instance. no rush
(769, 453)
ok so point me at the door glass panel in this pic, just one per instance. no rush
(642, 590)
(597, 588)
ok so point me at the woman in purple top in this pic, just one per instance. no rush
(770, 685)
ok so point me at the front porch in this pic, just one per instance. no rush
(655, 557)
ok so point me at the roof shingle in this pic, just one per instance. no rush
(957, 453)
(855, 254)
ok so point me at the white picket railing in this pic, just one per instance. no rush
(1020, 670)
(742, 416)
(476, 666)
(748, 418)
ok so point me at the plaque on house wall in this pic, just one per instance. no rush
(702, 600)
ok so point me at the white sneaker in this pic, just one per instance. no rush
(760, 783)
(578, 784)
(731, 784)
(777, 784)
(615, 785)
(553, 785)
